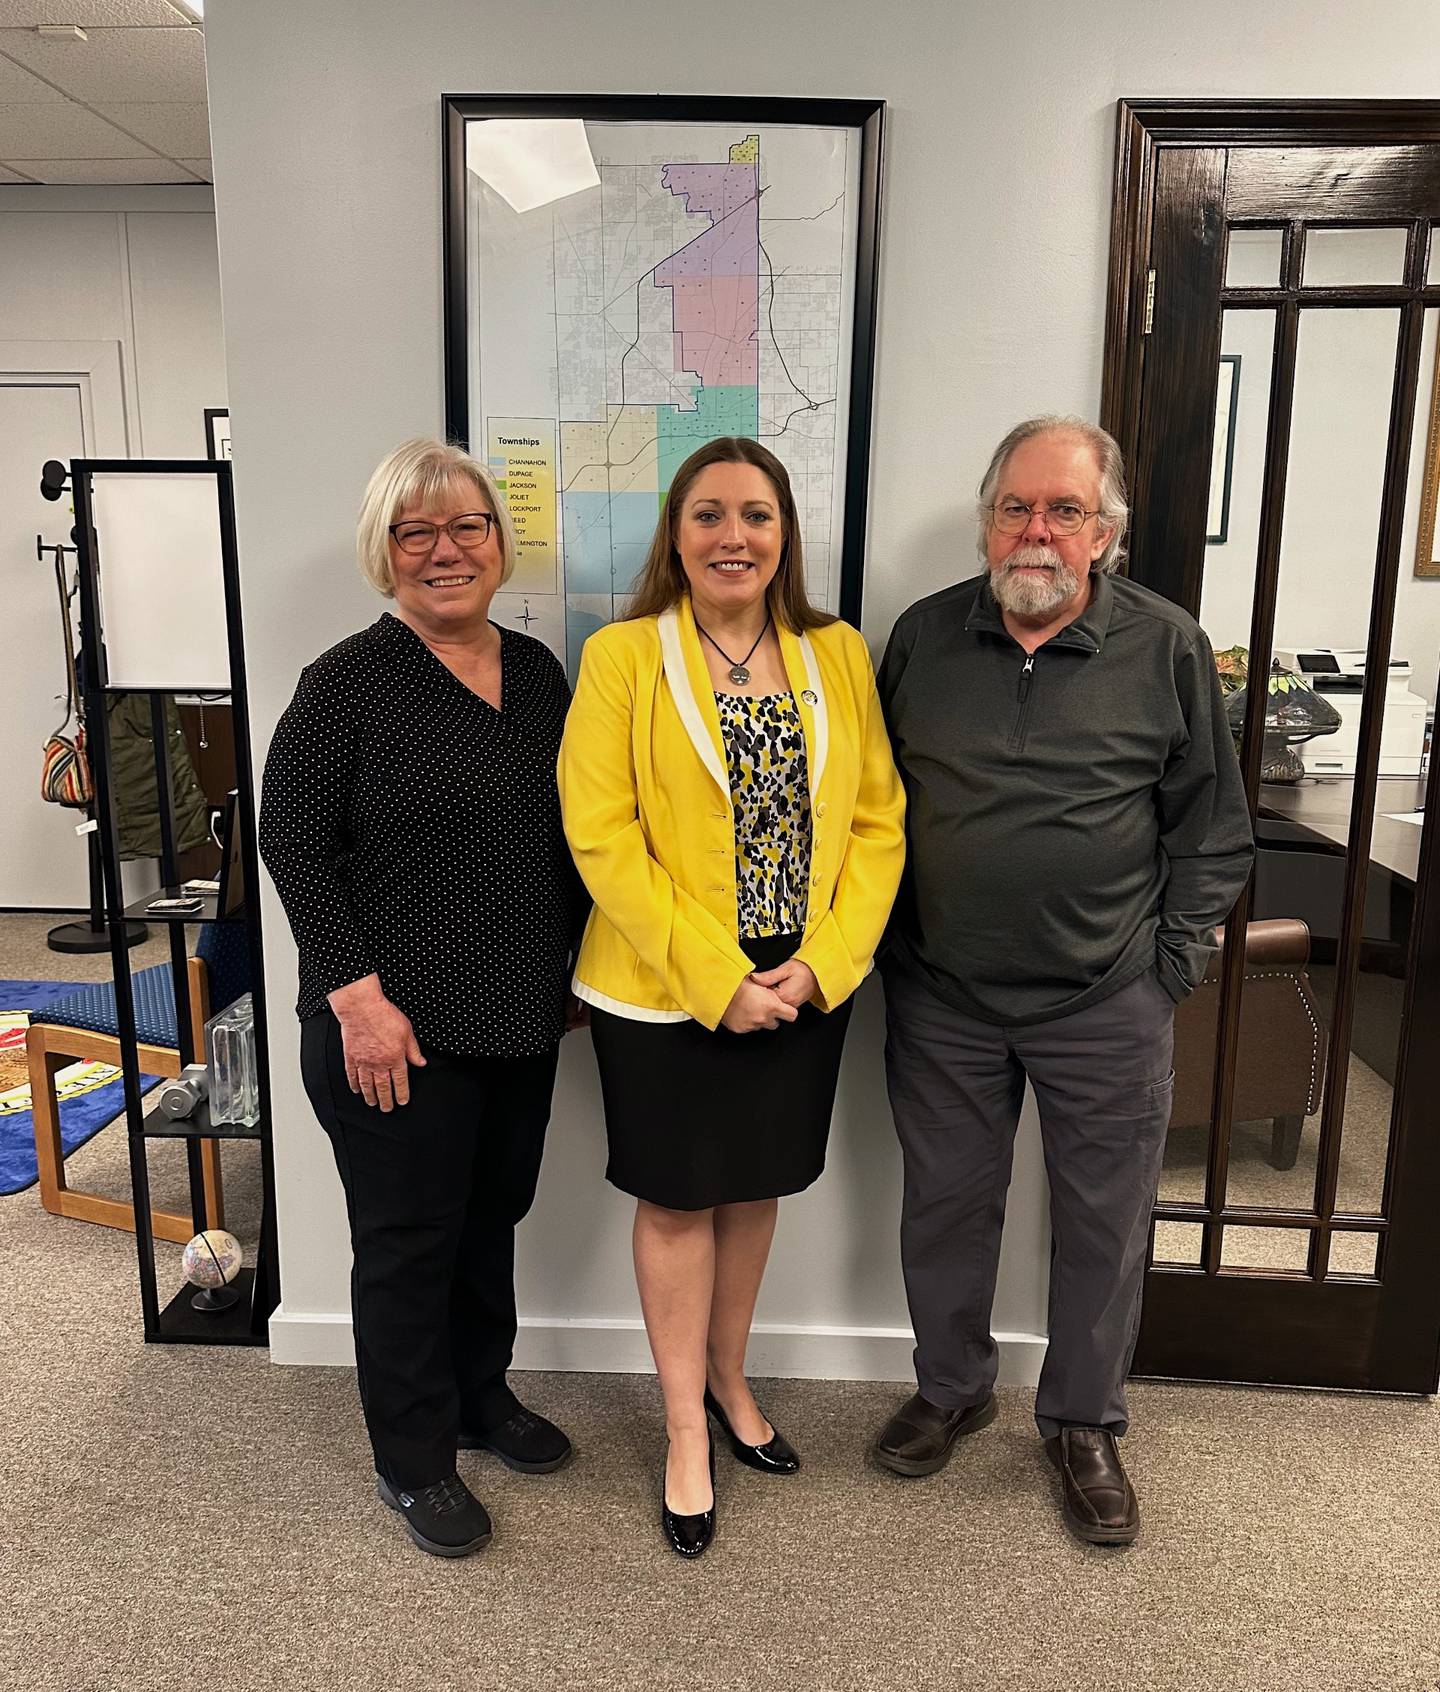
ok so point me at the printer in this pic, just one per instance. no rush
(1339, 674)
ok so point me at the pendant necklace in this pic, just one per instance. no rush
(739, 674)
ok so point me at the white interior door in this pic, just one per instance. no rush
(58, 399)
(42, 862)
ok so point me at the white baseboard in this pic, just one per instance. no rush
(618, 1346)
(308, 1337)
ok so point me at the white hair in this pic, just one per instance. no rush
(418, 473)
(1114, 513)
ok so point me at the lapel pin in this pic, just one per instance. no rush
(808, 696)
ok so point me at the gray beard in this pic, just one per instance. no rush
(1034, 596)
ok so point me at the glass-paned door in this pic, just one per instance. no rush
(1275, 387)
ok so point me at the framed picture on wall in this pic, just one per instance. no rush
(217, 432)
(1222, 461)
(627, 277)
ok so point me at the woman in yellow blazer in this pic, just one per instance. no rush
(730, 800)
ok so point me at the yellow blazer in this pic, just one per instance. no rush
(646, 802)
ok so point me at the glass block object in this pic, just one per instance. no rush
(234, 1069)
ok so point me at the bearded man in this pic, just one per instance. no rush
(1077, 826)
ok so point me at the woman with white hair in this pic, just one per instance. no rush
(411, 823)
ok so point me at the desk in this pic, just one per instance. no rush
(1320, 808)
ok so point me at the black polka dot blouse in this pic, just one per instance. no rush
(413, 832)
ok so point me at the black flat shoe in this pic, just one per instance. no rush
(689, 1535)
(527, 1443)
(446, 1519)
(776, 1457)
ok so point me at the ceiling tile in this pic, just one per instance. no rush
(25, 14)
(18, 87)
(174, 130)
(201, 167)
(64, 131)
(116, 65)
(86, 173)
(12, 175)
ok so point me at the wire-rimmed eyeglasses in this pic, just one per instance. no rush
(1065, 517)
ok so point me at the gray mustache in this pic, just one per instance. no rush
(1028, 557)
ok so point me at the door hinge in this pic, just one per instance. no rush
(1149, 302)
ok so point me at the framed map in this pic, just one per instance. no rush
(627, 277)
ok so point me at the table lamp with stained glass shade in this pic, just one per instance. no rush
(1294, 713)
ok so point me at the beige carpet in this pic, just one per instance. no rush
(174, 1516)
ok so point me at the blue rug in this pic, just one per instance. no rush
(91, 1094)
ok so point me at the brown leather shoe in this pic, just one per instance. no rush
(918, 1438)
(1099, 1501)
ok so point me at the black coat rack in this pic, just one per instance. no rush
(94, 935)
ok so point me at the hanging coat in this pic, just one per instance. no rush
(132, 778)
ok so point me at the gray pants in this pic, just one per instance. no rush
(1103, 1082)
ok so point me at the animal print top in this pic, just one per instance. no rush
(769, 787)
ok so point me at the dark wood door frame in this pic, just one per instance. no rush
(1144, 129)
(1391, 1330)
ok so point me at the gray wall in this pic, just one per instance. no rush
(997, 209)
(134, 269)
(132, 265)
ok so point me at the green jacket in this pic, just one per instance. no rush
(132, 779)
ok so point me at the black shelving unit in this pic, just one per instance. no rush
(209, 908)
(176, 1322)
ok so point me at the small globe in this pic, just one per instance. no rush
(212, 1259)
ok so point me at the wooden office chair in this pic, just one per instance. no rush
(83, 1026)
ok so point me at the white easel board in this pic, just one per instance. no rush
(162, 582)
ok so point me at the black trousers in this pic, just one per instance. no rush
(434, 1190)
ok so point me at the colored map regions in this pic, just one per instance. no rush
(606, 536)
(616, 456)
(716, 279)
(698, 290)
(615, 472)
(718, 411)
(611, 496)
(618, 473)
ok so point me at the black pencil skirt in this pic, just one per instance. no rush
(696, 1118)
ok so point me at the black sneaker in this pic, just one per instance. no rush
(526, 1442)
(446, 1519)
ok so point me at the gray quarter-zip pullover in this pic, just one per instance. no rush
(1075, 816)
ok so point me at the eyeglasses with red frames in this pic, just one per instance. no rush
(469, 531)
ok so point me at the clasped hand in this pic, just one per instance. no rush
(766, 998)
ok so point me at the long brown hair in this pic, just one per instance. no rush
(661, 582)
